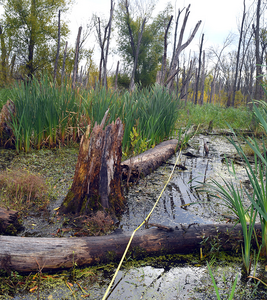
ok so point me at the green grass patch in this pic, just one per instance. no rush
(238, 118)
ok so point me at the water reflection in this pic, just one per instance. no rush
(173, 208)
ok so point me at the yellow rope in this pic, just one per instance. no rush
(146, 219)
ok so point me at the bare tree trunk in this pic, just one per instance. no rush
(175, 34)
(164, 60)
(203, 80)
(101, 43)
(140, 34)
(58, 47)
(257, 94)
(238, 53)
(117, 73)
(76, 59)
(12, 65)
(3, 56)
(107, 47)
(64, 61)
(199, 67)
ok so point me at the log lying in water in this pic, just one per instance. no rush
(27, 254)
(146, 162)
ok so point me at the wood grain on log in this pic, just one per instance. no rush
(27, 254)
(146, 162)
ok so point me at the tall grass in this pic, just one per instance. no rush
(47, 114)
(42, 112)
(257, 172)
(152, 112)
(239, 118)
(233, 195)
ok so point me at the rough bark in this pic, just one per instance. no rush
(28, 254)
(146, 162)
(97, 178)
(9, 223)
(6, 116)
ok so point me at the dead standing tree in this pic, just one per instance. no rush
(140, 34)
(104, 45)
(199, 68)
(97, 180)
(174, 69)
(76, 59)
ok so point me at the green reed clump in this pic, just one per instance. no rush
(47, 114)
(150, 112)
(153, 113)
(257, 172)
(232, 196)
(43, 112)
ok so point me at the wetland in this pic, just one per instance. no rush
(158, 277)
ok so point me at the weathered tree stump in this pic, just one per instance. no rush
(7, 113)
(97, 179)
(9, 223)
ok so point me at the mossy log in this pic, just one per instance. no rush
(9, 223)
(146, 162)
(97, 179)
(30, 254)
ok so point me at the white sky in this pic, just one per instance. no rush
(219, 17)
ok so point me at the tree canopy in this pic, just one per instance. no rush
(151, 48)
(30, 29)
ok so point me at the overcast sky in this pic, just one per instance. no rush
(219, 17)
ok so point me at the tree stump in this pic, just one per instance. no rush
(7, 113)
(97, 180)
(9, 224)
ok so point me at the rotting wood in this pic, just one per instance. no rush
(146, 162)
(97, 179)
(28, 254)
(9, 223)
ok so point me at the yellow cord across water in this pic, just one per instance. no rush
(146, 219)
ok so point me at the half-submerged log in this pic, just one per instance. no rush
(9, 223)
(27, 254)
(97, 180)
(146, 162)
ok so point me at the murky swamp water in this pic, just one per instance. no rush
(165, 277)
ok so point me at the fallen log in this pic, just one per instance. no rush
(9, 223)
(146, 162)
(28, 254)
